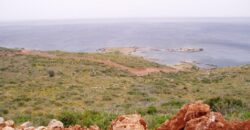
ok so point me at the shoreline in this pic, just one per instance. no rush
(133, 51)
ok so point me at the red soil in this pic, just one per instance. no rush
(134, 71)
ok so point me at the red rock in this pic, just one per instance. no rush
(187, 112)
(78, 127)
(197, 116)
(129, 122)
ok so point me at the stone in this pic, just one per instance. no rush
(1, 120)
(2, 124)
(29, 128)
(9, 123)
(94, 127)
(41, 128)
(55, 124)
(8, 128)
(129, 122)
(186, 113)
(197, 116)
(26, 124)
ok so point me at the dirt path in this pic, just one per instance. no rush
(134, 71)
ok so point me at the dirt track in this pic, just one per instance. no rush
(134, 71)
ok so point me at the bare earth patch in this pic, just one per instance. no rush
(134, 71)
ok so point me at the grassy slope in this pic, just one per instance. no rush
(28, 93)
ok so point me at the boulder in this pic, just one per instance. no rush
(94, 127)
(29, 128)
(8, 128)
(78, 127)
(129, 122)
(9, 123)
(197, 116)
(41, 128)
(26, 124)
(2, 124)
(1, 120)
(55, 124)
(186, 113)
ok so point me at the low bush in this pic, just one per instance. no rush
(154, 121)
(51, 73)
(225, 105)
(151, 110)
(87, 118)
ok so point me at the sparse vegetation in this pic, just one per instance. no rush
(225, 105)
(98, 93)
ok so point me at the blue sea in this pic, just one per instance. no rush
(226, 42)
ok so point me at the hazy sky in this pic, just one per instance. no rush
(77, 9)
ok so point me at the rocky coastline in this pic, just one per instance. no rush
(137, 50)
(130, 50)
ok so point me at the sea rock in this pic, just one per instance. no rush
(26, 124)
(129, 122)
(9, 123)
(8, 128)
(55, 124)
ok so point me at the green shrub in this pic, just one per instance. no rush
(173, 103)
(246, 115)
(4, 111)
(151, 110)
(206, 81)
(87, 118)
(51, 73)
(154, 121)
(20, 118)
(69, 118)
(225, 105)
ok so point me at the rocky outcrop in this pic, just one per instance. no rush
(197, 116)
(193, 116)
(129, 122)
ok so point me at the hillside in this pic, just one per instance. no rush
(39, 86)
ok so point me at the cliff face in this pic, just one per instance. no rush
(193, 116)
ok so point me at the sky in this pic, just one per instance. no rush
(15, 10)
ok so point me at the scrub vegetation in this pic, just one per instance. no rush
(81, 91)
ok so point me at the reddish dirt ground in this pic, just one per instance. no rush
(134, 71)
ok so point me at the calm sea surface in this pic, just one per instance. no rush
(225, 42)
